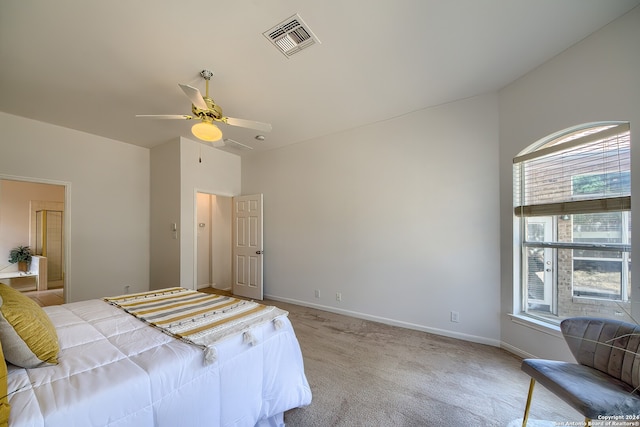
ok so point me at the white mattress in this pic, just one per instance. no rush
(115, 370)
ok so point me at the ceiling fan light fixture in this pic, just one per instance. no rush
(206, 131)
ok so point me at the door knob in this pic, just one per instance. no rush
(259, 252)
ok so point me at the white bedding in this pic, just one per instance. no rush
(115, 370)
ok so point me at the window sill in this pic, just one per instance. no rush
(536, 324)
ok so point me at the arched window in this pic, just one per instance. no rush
(572, 202)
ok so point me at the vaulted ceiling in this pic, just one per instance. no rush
(93, 65)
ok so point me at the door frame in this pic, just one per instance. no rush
(195, 227)
(66, 229)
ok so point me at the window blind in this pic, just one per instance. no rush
(583, 172)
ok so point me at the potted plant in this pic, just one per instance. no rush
(21, 255)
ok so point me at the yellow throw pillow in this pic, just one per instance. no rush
(28, 337)
(5, 408)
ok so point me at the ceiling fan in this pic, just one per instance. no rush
(208, 112)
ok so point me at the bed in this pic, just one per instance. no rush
(114, 369)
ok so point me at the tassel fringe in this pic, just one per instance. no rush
(277, 323)
(210, 355)
(249, 338)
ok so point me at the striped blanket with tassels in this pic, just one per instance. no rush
(198, 318)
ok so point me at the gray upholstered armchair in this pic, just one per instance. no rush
(605, 380)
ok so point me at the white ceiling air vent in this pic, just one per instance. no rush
(291, 36)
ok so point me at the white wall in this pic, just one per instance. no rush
(203, 237)
(165, 211)
(181, 169)
(108, 204)
(208, 170)
(214, 241)
(595, 80)
(221, 241)
(400, 217)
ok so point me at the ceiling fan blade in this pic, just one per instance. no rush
(164, 116)
(195, 96)
(235, 144)
(264, 127)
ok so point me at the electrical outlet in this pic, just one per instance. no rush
(317, 293)
(338, 296)
(455, 317)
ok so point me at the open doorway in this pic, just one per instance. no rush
(33, 214)
(214, 225)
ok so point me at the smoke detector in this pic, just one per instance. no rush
(291, 36)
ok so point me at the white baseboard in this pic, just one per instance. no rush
(515, 350)
(392, 322)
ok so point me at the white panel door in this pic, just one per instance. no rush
(247, 246)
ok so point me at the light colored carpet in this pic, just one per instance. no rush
(364, 373)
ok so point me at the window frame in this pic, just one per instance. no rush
(540, 149)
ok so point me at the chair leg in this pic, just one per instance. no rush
(526, 408)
